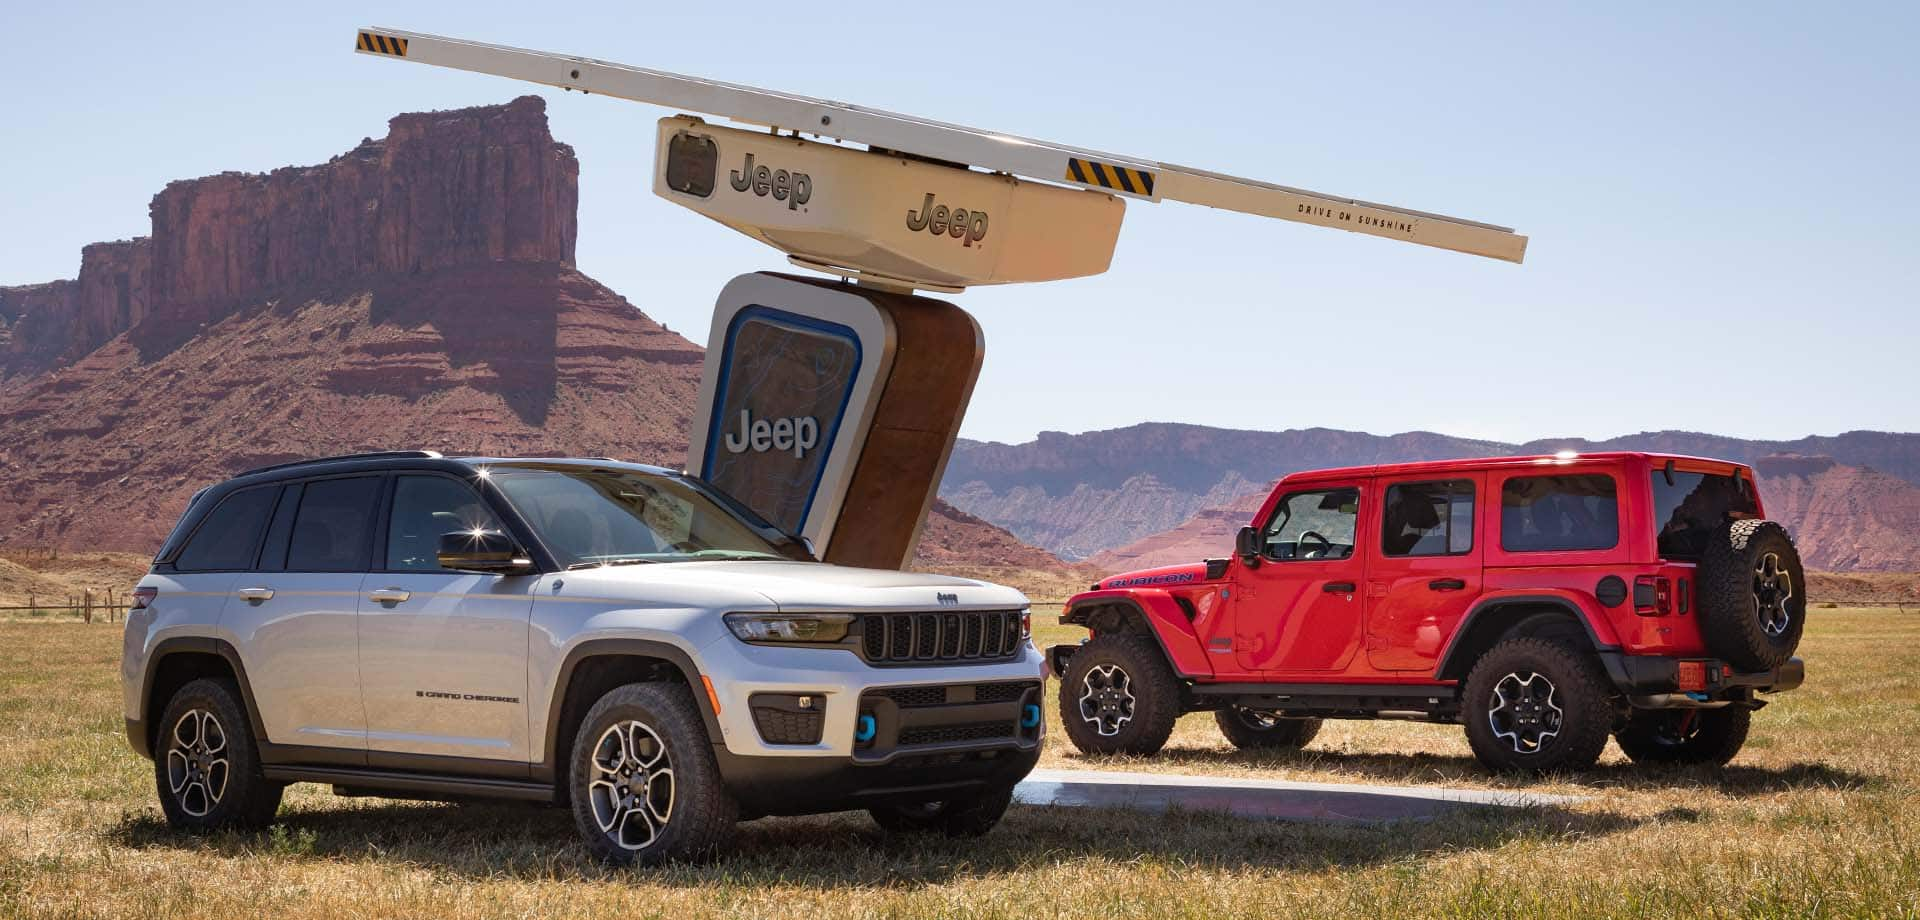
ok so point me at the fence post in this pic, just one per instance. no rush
(86, 605)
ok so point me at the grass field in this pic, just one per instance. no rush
(1819, 817)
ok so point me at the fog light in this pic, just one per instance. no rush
(1030, 715)
(864, 731)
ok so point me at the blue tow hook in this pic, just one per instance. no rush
(1030, 715)
(865, 730)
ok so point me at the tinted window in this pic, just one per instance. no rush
(1313, 525)
(331, 529)
(424, 507)
(1686, 513)
(1428, 518)
(230, 536)
(1541, 514)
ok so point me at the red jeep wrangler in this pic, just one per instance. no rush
(1544, 602)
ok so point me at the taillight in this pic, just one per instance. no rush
(142, 597)
(1652, 595)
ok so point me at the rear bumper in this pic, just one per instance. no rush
(1653, 675)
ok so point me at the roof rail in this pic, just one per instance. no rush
(370, 455)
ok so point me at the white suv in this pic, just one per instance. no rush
(620, 638)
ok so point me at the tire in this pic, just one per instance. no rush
(650, 732)
(967, 817)
(1529, 727)
(1119, 696)
(1685, 736)
(1254, 729)
(1753, 603)
(206, 764)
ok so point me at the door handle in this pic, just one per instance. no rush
(389, 595)
(1338, 587)
(1447, 584)
(255, 596)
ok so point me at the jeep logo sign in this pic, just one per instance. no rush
(787, 434)
(783, 387)
(968, 226)
(794, 188)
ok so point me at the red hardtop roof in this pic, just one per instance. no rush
(1465, 464)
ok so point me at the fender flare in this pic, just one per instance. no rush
(1587, 613)
(1165, 619)
(550, 765)
(139, 733)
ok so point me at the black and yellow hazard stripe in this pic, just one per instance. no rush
(382, 44)
(1107, 175)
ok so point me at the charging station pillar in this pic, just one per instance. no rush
(830, 409)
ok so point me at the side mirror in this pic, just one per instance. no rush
(1246, 544)
(483, 551)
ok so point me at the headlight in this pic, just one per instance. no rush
(789, 627)
(1026, 622)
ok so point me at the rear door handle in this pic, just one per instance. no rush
(389, 595)
(1447, 584)
(1338, 587)
(255, 596)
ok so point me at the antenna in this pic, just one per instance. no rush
(1031, 171)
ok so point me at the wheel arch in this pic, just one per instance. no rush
(596, 666)
(1496, 618)
(176, 662)
(1154, 614)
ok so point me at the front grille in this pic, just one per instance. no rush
(911, 638)
(943, 734)
(941, 694)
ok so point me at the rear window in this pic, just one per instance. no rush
(1545, 514)
(334, 525)
(230, 536)
(1687, 510)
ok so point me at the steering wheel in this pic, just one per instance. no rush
(1326, 545)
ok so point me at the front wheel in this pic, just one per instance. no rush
(1119, 696)
(1537, 706)
(968, 816)
(1256, 729)
(644, 782)
(206, 766)
(1685, 736)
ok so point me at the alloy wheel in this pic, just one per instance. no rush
(1772, 590)
(197, 767)
(1523, 712)
(1106, 699)
(632, 787)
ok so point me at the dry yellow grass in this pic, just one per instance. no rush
(1817, 818)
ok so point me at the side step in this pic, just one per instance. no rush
(411, 785)
(1434, 702)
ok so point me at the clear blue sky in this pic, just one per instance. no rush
(1721, 197)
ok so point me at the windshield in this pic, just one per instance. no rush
(588, 516)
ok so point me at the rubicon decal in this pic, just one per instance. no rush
(794, 188)
(1144, 580)
(969, 227)
(464, 697)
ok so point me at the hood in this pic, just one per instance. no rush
(1166, 576)
(798, 586)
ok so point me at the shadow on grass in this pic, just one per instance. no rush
(848, 851)
(1734, 779)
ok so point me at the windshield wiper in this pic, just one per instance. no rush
(605, 562)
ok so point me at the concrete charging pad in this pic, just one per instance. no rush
(1327, 803)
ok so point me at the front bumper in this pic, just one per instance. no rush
(817, 785)
(1654, 676)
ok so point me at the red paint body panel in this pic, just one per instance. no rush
(1288, 621)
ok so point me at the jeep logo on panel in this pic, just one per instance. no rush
(969, 227)
(794, 188)
(798, 435)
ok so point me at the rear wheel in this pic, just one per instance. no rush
(644, 782)
(1537, 706)
(967, 816)
(1753, 603)
(1685, 736)
(1119, 696)
(1252, 729)
(206, 766)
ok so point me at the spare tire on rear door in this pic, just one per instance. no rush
(1752, 594)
